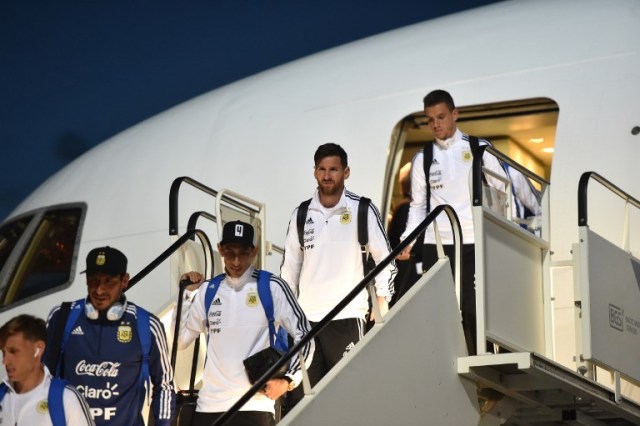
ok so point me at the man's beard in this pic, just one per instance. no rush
(331, 189)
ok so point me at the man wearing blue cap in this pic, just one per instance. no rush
(110, 348)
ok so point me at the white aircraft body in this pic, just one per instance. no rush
(565, 71)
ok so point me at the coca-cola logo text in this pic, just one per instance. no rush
(103, 369)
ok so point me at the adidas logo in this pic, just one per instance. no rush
(435, 161)
(217, 302)
(309, 221)
(350, 346)
(78, 331)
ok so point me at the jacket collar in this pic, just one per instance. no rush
(447, 143)
(316, 204)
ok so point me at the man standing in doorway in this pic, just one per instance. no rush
(448, 183)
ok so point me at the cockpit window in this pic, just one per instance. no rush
(40, 253)
(9, 236)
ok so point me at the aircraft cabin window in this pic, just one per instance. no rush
(46, 245)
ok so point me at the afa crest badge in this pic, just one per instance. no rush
(124, 334)
(345, 217)
(252, 299)
(42, 407)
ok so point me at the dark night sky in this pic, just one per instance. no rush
(74, 73)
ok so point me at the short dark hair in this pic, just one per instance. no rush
(33, 328)
(330, 150)
(439, 96)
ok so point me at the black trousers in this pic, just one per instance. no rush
(333, 342)
(405, 278)
(467, 285)
(241, 418)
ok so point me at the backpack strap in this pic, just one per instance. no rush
(55, 402)
(72, 318)
(363, 230)
(3, 390)
(474, 144)
(363, 240)
(58, 329)
(301, 218)
(276, 340)
(143, 325)
(427, 159)
(363, 212)
(212, 289)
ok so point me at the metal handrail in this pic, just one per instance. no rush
(193, 219)
(477, 171)
(173, 200)
(172, 249)
(453, 218)
(582, 194)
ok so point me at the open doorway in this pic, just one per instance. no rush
(524, 130)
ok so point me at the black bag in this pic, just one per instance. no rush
(185, 407)
(186, 399)
(260, 362)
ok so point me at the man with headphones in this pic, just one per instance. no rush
(110, 348)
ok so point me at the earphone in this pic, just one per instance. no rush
(36, 353)
(114, 313)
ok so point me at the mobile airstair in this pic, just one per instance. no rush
(413, 367)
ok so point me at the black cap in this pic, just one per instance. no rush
(106, 260)
(237, 232)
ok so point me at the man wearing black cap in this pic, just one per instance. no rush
(110, 349)
(231, 309)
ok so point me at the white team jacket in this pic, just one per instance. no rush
(237, 328)
(450, 177)
(31, 408)
(331, 263)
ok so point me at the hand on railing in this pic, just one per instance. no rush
(405, 254)
(384, 308)
(191, 280)
(275, 388)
